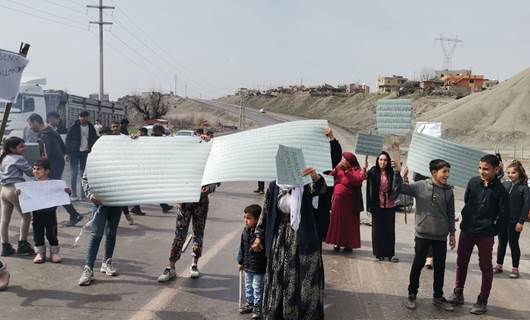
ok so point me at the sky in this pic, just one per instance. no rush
(215, 47)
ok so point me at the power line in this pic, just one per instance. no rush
(43, 11)
(67, 7)
(43, 18)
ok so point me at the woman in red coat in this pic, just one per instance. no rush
(347, 204)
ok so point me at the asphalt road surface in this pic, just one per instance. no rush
(357, 286)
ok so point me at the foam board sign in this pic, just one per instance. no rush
(393, 116)
(369, 144)
(433, 129)
(11, 67)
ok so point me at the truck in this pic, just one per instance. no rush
(32, 98)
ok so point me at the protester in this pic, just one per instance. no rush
(486, 211)
(124, 126)
(4, 276)
(54, 121)
(159, 131)
(98, 126)
(519, 205)
(45, 220)
(253, 263)
(55, 152)
(197, 212)
(106, 220)
(347, 204)
(13, 165)
(261, 187)
(287, 231)
(435, 220)
(79, 141)
(380, 200)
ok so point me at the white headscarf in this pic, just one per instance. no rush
(297, 193)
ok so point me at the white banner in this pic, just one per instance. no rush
(11, 67)
(433, 129)
(36, 195)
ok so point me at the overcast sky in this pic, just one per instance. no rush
(217, 46)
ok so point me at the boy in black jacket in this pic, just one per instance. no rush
(253, 263)
(486, 210)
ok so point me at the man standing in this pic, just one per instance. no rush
(124, 124)
(486, 210)
(55, 149)
(79, 141)
(54, 121)
(98, 126)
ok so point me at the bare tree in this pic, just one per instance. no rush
(427, 73)
(153, 106)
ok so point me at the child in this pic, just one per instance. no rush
(435, 219)
(13, 165)
(45, 220)
(486, 210)
(252, 262)
(519, 204)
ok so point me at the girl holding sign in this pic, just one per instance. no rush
(13, 165)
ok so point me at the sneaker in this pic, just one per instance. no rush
(428, 263)
(137, 211)
(481, 306)
(129, 219)
(393, 259)
(515, 273)
(7, 249)
(336, 248)
(257, 191)
(246, 308)
(24, 248)
(194, 272)
(497, 268)
(74, 221)
(86, 276)
(106, 267)
(256, 312)
(457, 298)
(167, 275)
(443, 304)
(411, 302)
(74, 198)
(262, 192)
(166, 208)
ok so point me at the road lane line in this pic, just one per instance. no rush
(167, 295)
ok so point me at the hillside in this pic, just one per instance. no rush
(497, 117)
(356, 113)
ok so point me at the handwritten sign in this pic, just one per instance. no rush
(369, 144)
(36, 195)
(289, 165)
(11, 67)
(393, 116)
(433, 129)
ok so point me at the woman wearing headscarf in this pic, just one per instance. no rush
(380, 200)
(287, 231)
(347, 204)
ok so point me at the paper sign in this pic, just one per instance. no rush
(393, 116)
(289, 165)
(36, 195)
(151, 170)
(11, 67)
(369, 144)
(464, 161)
(433, 129)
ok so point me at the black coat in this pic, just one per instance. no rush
(309, 241)
(55, 151)
(519, 201)
(73, 138)
(486, 210)
(252, 261)
(373, 182)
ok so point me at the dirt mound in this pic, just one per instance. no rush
(496, 117)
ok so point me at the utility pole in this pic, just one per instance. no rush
(186, 90)
(101, 23)
(176, 81)
(448, 49)
(241, 112)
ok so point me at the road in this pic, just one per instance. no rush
(357, 286)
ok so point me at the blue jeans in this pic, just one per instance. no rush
(106, 221)
(77, 166)
(254, 288)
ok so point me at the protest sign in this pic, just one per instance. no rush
(11, 67)
(393, 116)
(151, 170)
(464, 161)
(289, 166)
(36, 195)
(433, 129)
(369, 144)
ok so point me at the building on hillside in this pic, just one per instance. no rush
(390, 84)
(354, 88)
(488, 84)
(440, 74)
(431, 85)
(474, 83)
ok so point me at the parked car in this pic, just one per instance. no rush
(149, 128)
(189, 133)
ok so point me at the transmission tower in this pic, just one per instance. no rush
(448, 49)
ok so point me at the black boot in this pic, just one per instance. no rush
(457, 298)
(481, 306)
(25, 248)
(7, 249)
